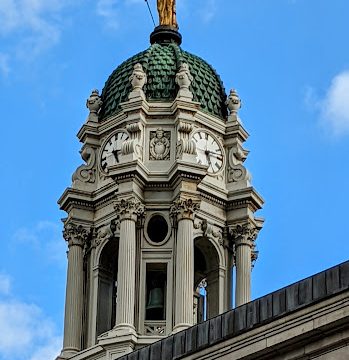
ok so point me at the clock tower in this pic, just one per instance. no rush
(163, 209)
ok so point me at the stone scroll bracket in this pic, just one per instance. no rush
(186, 149)
(236, 170)
(85, 175)
(132, 149)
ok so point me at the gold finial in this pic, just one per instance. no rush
(167, 12)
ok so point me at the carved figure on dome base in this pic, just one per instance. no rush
(159, 145)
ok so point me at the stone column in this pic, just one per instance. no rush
(128, 211)
(244, 236)
(76, 236)
(183, 211)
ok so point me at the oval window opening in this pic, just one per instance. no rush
(157, 228)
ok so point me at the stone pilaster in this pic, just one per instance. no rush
(128, 211)
(183, 211)
(76, 236)
(244, 236)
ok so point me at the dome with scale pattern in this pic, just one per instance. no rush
(161, 62)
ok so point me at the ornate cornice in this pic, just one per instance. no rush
(75, 235)
(130, 208)
(105, 201)
(212, 199)
(184, 209)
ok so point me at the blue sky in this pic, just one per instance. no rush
(289, 61)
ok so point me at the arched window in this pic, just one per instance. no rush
(206, 279)
(107, 287)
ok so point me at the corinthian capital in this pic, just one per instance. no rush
(184, 208)
(244, 234)
(130, 208)
(75, 234)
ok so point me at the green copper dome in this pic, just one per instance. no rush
(161, 63)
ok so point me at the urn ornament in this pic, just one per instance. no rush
(233, 102)
(138, 78)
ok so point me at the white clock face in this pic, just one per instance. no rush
(208, 151)
(112, 150)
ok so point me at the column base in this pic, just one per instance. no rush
(66, 354)
(181, 327)
(119, 341)
(119, 331)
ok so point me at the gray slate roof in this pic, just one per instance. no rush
(246, 317)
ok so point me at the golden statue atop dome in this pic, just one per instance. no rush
(167, 12)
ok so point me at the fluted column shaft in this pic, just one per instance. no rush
(243, 272)
(76, 237)
(184, 274)
(128, 211)
(126, 274)
(244, 236)
(183, 210)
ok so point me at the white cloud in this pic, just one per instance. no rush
(48, 351)
(25, 332)
(5, 284)
(30, 26)
(46, 238)
(108, 10)
(334, 106)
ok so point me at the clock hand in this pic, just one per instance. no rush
(116, 154)
(208, 158)
(217, 156)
